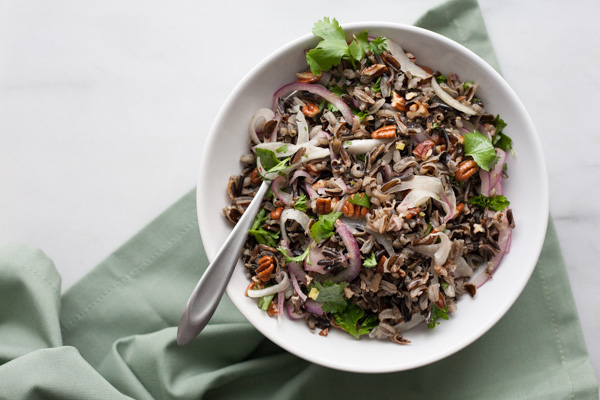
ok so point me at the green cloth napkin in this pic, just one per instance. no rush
(113, 335)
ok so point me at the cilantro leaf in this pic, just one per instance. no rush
(331, 49)
(338, 91)
(360, 114)
(361, 157)
(503, 142)
(263, 236)
(377, 45)
(494, 203)
(300, 204)
(349, 320)
(268, 159)
(499, 124)
(371, 261)
(360, 199)
(297, 259)
(281, 149)
(263, 302)
(466, 84)
(441, 79)
(481, 149)
(437, 313)
(444, 285)
(323, 228)
(331, 296)
(376, 88)
(357, 47)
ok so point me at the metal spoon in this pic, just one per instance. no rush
(208, 292)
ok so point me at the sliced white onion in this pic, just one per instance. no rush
(363, 146)
(385, 241)
(278, 184)
(296, 215)
(451, 101)
(405, 64)
(439, 251)
(281, 286)
(302, 128)
(260, 117)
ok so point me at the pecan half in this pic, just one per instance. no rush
(310, 109)
(354, 210)
(424, 149)
(324, 205)
(308, 77)
(459, 209)
(385, 132)
(398, 102)
(418, 110)
(255, 178)
(466, 169)
(471, 289)
(272, 310)
(265, 268)
(388, 58)
(412, 212)
(276, 213)
(375, 70)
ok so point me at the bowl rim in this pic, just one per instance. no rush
(536, 243)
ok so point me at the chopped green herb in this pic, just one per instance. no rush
(505, 167)
(371, 261)
(338, 91)
(481, 149)
(441, 79)
(281, 149)
(429, 229)
(331, 296)
(332, 108)
(301, 203)
(360, 199)
(500, 139)
(297, 259)
(499, 123)
(444, 285)
(263, 302)
(377, 86)
(361, 157)
(263, 236)
(494, 203)
(435, 125)
(437, 313)
(377, 45)
(270, 162)
(323, 228)
(269, 194)
(477, 100)
(466, 84)
(350, 318)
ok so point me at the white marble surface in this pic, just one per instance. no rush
(104, 107)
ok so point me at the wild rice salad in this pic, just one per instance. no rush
(386, 191)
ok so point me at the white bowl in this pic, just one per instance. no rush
(527, 189)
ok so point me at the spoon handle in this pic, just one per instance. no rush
(208, 292)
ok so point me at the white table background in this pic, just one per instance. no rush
(105, 106)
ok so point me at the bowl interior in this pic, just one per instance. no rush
(526, 189)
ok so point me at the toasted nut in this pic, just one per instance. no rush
(308, 77)
(272, 310)
(459, 208)
(424, 149)
(310, 109)
(324, 332)
(324, 205)
(466, 169)
(265, 267)
(375, 70)
(471, 289)
(412, 212)
(380, 263)
(398, 102)
(385, 132)
(255, 178)
(389, 58)
(311, 169)
(418, 110)
(276, 213)
(250, 287)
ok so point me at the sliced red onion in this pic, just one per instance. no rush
(405, 64)
(311, 192)
(313, 307)
(485, 182)
(296, 286)
(315, 255)
(353, 249)
(278, 184)
(504, 239)
(281, 286)
(289, 309)
(387, 172)
(339, 182)
(319, 91)
(451, 101)
(297, 270)
(303, 174)
(260, 117)
(496, 172)
(280, 298)
(292, 213)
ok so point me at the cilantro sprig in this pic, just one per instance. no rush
(298, 259)
(353, 321)
(437, 313)
(500, 139)
(371, 261)
(494, 203)
(263, 302)
(481, 149)
(360, 199)
(323, 228)
(270, 162)
(301, 203)
(333, 46)
(331, 296)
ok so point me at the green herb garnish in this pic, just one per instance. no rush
(350, 321)
(331, 296)
(437, 313)
(377, 86)
(270, 162)
(323, 228)
(301, 203)
(466, 84)
(360, 199)
(281, 149)
(441, 79)
(481, 149)
(500, 139)
(263, 302)
(494, 203)
(371, 261)
(297, 259)
(263, 236)
(377, 45)
(361, 157)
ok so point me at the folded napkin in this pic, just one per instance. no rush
(113, 334)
